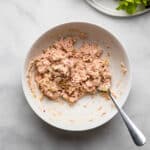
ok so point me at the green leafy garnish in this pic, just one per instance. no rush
(132, 6)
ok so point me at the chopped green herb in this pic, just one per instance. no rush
(132, 6)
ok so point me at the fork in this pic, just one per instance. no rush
(137, 136)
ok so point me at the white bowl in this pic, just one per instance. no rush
(89, 112)
(108, 7)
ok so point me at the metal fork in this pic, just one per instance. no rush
(137, 136)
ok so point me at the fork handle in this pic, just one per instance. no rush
(137, 136)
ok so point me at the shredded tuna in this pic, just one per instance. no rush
(123, 68)
(64, 71)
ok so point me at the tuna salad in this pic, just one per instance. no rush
(66, 71)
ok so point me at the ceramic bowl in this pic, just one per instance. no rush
(90, 111)
(109, 8)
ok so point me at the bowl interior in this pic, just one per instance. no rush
(90, 111)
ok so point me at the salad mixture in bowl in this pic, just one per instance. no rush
(65, 71)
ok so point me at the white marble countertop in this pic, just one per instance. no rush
(23, 21)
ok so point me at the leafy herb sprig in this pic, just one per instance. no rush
(131, 6)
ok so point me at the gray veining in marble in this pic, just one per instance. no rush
(21, 22)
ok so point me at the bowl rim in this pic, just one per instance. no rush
(27, 97)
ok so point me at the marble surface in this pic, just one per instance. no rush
(21, 22)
